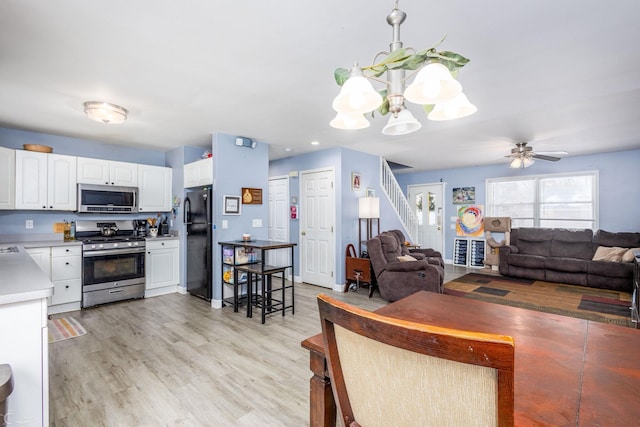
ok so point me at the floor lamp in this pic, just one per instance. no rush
(368, 210)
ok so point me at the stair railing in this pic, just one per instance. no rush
(398, 201)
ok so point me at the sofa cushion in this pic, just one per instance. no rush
(539, 248)
(629, 256)
(614, 254)
(529, 261)
(572, 265)
(390, 247)
(623, 240)
(611, 269)
(572, 243)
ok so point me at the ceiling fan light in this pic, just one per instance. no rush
(433, 84)
(528, 161)
(516, 163)
(105, 112)
(357, 95)
(457, 108)
(401, 124)
(349, 121)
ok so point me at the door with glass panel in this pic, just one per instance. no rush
(427, 204)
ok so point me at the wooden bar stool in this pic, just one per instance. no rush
(267, 299)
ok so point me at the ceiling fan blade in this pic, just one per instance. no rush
(552, 153)
(547, 158)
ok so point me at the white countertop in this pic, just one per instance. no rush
(21, 279)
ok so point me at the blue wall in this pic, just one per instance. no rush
(344, 162)
(235, 167)
(618, 173)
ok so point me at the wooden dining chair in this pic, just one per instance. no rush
(390, 372)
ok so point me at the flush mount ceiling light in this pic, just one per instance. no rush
(434, 86)
(105, 112)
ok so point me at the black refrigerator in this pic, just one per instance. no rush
(197, 217)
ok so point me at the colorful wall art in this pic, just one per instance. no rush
(470, 221)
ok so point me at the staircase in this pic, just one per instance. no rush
(396, 197)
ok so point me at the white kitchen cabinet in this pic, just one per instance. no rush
(154, 188)
(63, 266)
(199, 173)
(66, 276)
(45, 181)
(162, 265)
(7, 178)
(107, 172)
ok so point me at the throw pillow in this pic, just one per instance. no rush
(406, 258)
(613, 254)
(629, 256)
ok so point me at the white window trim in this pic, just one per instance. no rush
(536, 219)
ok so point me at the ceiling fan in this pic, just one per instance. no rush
(523, 156)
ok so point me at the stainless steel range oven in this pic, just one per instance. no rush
(112, 266)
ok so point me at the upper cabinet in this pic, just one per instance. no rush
(107, 172)
(45, 181)
(7, 178)
(154, 188)
(198, 173)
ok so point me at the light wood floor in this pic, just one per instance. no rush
(172, 360)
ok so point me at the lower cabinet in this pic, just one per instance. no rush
(162, 266)
(63, 265)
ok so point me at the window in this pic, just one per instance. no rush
(555, 201)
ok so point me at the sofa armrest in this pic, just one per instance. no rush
(503, 254)
(406, 266)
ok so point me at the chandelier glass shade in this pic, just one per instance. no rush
(434, 86)
(350, 121)
(105, 112)
(401, 123)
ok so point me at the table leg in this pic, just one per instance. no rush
(322, 404)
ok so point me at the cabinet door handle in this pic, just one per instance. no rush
(67, 263)
(67, 287)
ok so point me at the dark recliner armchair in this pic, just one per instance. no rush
(430, 255)
(397, 279)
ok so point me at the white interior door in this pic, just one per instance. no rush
(279, 220)
(317, 224)
(427, 203)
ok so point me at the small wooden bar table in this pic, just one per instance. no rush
(568, 371)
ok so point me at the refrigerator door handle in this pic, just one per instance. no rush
(187, 211)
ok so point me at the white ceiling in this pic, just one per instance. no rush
(563, 75)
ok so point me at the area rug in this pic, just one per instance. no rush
(64, 328)
(600, 305)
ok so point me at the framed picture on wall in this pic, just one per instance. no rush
(231, 205)
(355, 181)
(371, 192)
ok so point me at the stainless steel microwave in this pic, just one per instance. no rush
(107, 199)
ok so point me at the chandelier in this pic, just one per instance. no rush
(105, 112)
(434, 86)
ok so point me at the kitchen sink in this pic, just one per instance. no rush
(9, 250)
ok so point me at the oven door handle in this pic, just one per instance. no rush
(88, 254)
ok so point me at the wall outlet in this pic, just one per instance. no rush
(257, 223)
(225, 224)
(28, 224)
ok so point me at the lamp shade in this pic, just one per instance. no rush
(432, 85)
(455, 109)
(369, 207)
(357, 95)
(349, 121)
(105, 112)
(401, 124)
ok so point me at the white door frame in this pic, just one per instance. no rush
(287, 228)
(443, 216)
(332, 243)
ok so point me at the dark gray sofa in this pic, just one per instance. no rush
(566, 256)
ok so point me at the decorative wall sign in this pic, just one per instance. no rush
(231, 205)
(251, 196)
(464, 195)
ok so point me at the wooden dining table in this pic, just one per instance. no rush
(568, 371)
